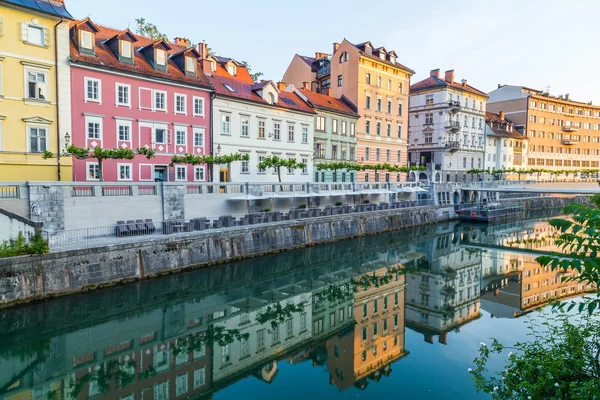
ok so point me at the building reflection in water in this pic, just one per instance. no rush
(343, 307)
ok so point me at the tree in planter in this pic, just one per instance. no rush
(336, 166)
(562, 361)
(100, 154)
(210, 160)
(278, 162)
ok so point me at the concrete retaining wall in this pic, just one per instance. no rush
(35, 277)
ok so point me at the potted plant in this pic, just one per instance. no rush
(366, 201)
(267, 210)
(339, 203)
(302, 206)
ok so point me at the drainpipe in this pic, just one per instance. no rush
(212, 150)
(57, 99)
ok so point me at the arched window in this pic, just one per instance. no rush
(271, 98)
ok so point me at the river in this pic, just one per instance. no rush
(395, 315)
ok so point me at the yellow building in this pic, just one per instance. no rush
(34, 89)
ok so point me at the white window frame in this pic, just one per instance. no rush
(277, 130)
(164, 127)
(181, 384)
(86, 82)
(190, 61)
(89, 35)
(178, 169)
(36, 71)
(200, 373)
(179, 128)
(202, 171)
(95, 120)
(304, 134)
(244, 167)
(46, 34)
(28, 127)
(117, 102)
(119, 124)
(244, 123)
(119, 165)
(225, 116)
(201, 99)
(291, 133)
(202, 132)
(175, 97)
(305, 169)
(87, 171)
(123, 45)
(154, 94)
(164, 57)
(261, 128)
(160, 389)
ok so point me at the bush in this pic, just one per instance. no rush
(339, 203)
(366, 201)
(302, 206)
(267, 210)
(20, 246)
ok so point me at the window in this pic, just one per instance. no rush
(245, 166)
(339, 80)
(332, 319)
(181, 136)
(343, 127)
(335, 126)
(305, 133)
(334, 154)
(199, 377)
(289, 328)
(93, 172)
(199, 173)
(124, 172)
(35, 35)
(245, 127)
(400, 108)
(180, 104)
(400, 87)
(190, 64)
(160, 135)
(261, 128)
(375, 328)
(367, 153)
(389, 106)
(225, 124)
(387, 157)
(388, 130)
(389, 84)
(181, 384)
(428, 119)
(160, 57)
(276, 131)
(377, 152)
(275, 333)
(271, 98)
(368, 102)
(226, 353)
(375, 306)
(93, 127)
(429, 99)
(124, 131)
(244, 347)
(352, 129)
(385, 326)
(161, 391)
(399, 155)
(352, 153)
(37, 85)
(92, 90)
(378, 128)
(160, 101)
(364, 334)
(379, 103)
(126, 49)
(198, 106)
(368, 78)
(260, 339)
(318, 326)
(305, 168)
(199, 137)
(379, 81)
(320, 123)
(123, 97)
(303, 321)
(290, 133)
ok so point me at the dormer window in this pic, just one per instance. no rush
(190, 64)
(161, 57)
(271, 98)
(213, 66)
(126, 49)
(382, 55)
(231, 68)
(393, 59)
(86, 40)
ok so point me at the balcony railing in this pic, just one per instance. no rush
(569, 141)
(452, 146)
(570, 128)
(454, 105)
(452, 125)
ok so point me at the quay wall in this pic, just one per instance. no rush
(41, 276)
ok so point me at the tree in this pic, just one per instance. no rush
(210, 160)
(563, 359)
(100, 154)
(147, 29)
(336, 166)
(255, 75)
(277, 163)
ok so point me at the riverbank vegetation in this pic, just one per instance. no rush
(21, 246)
(562, 358)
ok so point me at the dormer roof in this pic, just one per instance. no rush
(159, 44)
(241, 74)
(190, 52)
(105, 57)
(375, 55)
(88, 24)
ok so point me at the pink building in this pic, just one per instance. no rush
(130, 91)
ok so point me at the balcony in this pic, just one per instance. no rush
(452, 146)
(570, 128)
(454, 105)
(452, 125)
(569, 141)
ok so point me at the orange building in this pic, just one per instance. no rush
(373, 80)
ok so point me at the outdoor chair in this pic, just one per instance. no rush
(150, 227)
(141, 226)
(132, 226)
(121, 229)
(199, 224)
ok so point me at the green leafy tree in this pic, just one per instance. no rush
(255, 75)
(278, 162)
(210, 160)
(562, 359)
(100, 154)
(147, 29)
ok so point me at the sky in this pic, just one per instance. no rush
(533, 43)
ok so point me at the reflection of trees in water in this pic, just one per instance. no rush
(119, 372)
(277, 314)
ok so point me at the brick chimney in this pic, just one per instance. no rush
(321, 55)
(281, 85)
(435, 73)
(202, 49)
(463, 82)
(182, 42)
(502, 115)
(449, 76)
(306, 85)
(336, 46)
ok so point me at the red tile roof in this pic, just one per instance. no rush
(105, 58)
(241, 74)
(492, 118)
(248, 91)
(329, 103)
(435, 82)
(361, 49)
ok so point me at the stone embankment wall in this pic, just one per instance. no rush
(545, 203)
(36, 277)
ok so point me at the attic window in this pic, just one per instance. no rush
(382, 55)
(271, 98)
(126, 49)
(344, 57)
(229, 87)
(289, 101)
(213, 66)
(189, 64)
(231, 68)
(160, 57)
(393, 59)
(86, 39)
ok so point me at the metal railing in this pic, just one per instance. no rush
(116, 190)
(134, 231)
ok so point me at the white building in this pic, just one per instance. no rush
(505, 147)
(446, 127)
(259, 119)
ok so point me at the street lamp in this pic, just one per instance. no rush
(67, 140)
(218, 149)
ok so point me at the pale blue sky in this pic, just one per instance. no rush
(534, 43)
